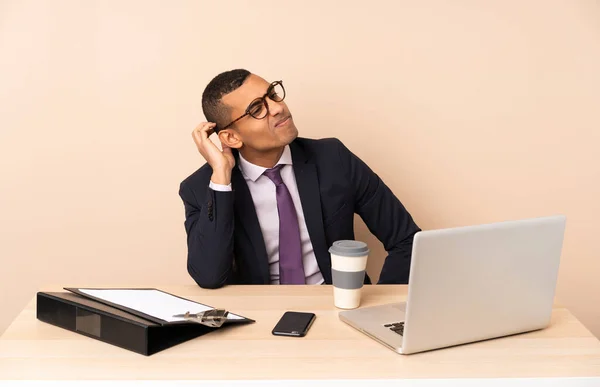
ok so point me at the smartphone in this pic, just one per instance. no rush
(294, 324)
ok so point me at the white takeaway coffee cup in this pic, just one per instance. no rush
(348, 267)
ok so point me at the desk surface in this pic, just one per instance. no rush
(31, 349)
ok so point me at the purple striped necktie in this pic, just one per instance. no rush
(291, 269)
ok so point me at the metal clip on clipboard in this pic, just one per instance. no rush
(211, 318)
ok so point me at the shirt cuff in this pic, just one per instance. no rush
(219, 187)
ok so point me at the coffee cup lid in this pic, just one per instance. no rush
(349, 248)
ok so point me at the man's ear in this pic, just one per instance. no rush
(230, 138)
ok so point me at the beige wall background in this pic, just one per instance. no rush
(472, 112)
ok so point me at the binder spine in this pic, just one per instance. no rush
(93, 323)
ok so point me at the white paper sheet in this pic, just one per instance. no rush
(152, 302)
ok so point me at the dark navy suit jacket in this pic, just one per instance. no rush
(224, 239)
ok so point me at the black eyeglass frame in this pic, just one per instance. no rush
(263, 99)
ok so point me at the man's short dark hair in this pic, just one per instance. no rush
(224, 83)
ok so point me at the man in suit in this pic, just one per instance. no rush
(266, 208)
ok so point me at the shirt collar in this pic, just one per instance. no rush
(253, 172)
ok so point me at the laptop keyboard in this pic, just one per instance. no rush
(396, 327)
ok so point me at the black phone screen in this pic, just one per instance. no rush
(294, 324)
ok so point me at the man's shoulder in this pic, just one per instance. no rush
(199, 178)
(320, 147)
(327, 142)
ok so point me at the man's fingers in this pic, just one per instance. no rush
(204, 130)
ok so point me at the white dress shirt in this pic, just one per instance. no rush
(262, 190)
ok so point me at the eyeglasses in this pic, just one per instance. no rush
(259, 108)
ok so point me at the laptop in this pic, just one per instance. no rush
(469, 284)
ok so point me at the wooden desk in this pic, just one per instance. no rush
(31, 349)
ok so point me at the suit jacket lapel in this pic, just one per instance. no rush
(246, 215)
(308, 188)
